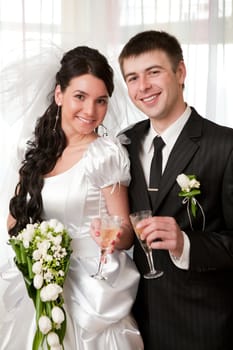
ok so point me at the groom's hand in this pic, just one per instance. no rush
(163, 232)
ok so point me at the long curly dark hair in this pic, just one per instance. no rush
(47, 146)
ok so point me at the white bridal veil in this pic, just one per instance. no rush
(25, 84)
(24, 87)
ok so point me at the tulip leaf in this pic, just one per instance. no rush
(38, 340)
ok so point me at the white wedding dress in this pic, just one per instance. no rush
(98, 312)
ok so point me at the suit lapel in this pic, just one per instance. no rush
(183, 151)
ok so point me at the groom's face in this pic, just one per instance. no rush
(153, 85)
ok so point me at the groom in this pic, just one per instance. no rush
(191, 306)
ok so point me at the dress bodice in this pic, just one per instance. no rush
(74, 196)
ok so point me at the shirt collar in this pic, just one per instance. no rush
(169, 135)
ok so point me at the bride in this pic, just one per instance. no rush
(71, 174)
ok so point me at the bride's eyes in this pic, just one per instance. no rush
(102, 101)
(80, 97)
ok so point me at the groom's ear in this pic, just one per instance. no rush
(181, 73)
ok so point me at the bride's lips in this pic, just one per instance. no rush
(84, 120)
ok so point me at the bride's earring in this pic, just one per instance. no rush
(57, 117)
(104, 131)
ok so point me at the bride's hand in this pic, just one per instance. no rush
(95, 230)
(95, 233)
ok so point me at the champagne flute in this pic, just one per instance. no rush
(109, 227)
(135, 218)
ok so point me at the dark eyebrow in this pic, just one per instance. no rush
(146, 70)
(104, 96)
(129, 74)
(80, 92)
(84, 93)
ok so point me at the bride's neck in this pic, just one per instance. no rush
(80, 140)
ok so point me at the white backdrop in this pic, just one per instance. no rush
(35, 33)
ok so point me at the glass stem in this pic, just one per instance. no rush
(101, 262)
(150, 260)
(100, 268)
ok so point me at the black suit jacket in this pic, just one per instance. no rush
(189, 309)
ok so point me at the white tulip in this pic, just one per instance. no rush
(45, 325)
(53, 223)
(38, 281)
(28, 233)
(48, 257)
(57, 315)
(36, 255)
(50, 292)
(53, 339)
(43, 246)
(57, 240)
(57, 347)
(59, 227)
(37, 267)
(44, 226)
(20, 237)
(30, 227)
(26, 243)
(183, 182)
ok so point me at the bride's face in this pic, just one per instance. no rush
(83, 104)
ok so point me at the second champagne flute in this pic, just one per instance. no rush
(135, 218)
(109, 227)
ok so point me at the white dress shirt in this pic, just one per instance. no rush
(169, 136)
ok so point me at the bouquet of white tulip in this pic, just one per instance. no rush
(42, 254)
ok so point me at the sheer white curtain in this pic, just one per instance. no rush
(33, 35)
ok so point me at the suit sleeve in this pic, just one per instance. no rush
(213, 248)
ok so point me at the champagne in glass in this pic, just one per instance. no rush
(135, 218)
(110, 225)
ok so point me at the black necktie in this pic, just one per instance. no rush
(156, 168)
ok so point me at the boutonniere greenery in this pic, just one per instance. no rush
(190, 187)
(42, 254)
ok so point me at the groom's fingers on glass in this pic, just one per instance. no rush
(158, 245)
(153, 237)
(144, 222)
(144, 233)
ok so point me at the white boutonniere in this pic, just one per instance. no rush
(190, 187)
(42, 254)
